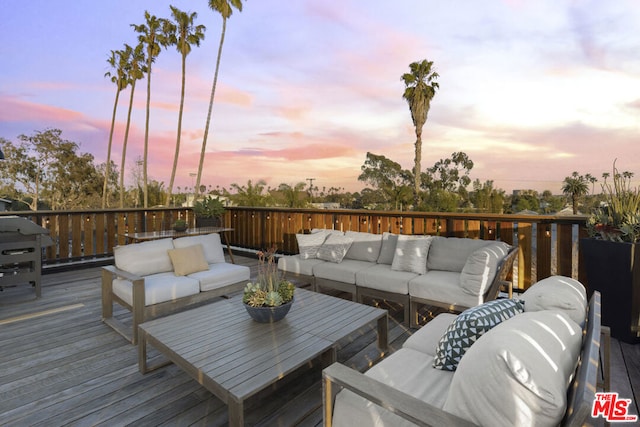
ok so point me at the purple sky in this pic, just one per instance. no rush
(530, 90)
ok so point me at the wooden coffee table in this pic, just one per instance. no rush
(223, 349)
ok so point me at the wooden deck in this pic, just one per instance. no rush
(60, 365)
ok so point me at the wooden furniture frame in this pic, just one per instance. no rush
(141, 313)
(223, 349)
(581, 390)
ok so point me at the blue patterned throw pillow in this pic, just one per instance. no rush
(470, 325)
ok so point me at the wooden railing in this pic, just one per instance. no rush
(548, 244)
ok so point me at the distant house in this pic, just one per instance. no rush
(325, 205)
(4, 205)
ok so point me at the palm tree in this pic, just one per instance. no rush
(187, 35)
(118, 61)
(420, 88)
(575, 186)
(225, 9)
(155, 34)
(137, 68)
(249, 195)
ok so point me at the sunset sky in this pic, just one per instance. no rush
(530, 90)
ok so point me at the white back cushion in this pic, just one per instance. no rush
(451, 253)
(481, 267)
(517, 373)
(388, 249)
(144, 258)
(365, 246)
(558, 293)
(211, 245)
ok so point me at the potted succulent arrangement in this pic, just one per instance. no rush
(270, 297)
(208, 212)
(611, 256)
(180, 225)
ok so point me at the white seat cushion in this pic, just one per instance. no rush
(221, 274)
(144, 258)
(383, 278)
(211, 245)
(442, 286)
(407, 370)
(158, 288)
(344, 272)
(426, 338)
(297, 265)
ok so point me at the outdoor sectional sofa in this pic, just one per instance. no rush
(533, 362)
(452, 273)
(158, 277)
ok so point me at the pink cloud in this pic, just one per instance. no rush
(18, 110)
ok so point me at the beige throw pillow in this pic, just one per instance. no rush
(187, 260)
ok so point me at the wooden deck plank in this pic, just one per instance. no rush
(69, 368)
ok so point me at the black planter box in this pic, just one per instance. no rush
(613, 268)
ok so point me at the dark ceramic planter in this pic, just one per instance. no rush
(613, 269)
(268, 314)
(208, 222)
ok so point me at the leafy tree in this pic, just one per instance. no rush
(293, 195)
(187, 34)
(485, 198)
(225, 9)
(249, 195)
(45, 170)
(525, 200)
(137, 68)
(450, 174)
(551, 203)
(575, 187)
(439, 200)
(119, 62)
(154, 34)
(420, 88)
(388, 178)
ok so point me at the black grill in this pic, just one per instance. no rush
(21, 243)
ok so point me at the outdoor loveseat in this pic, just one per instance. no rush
(158, 277)
(448, 272)
(531, 362)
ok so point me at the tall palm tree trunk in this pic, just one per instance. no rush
(145, 188)
(124, 144)
(108, 165)
(418, 169)
(177, 153)
(213, 93)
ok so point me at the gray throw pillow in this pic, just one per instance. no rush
(334, 248)
(411, 254)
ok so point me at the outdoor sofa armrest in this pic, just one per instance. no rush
(138, 296)
(116, 272)
(398, 402)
